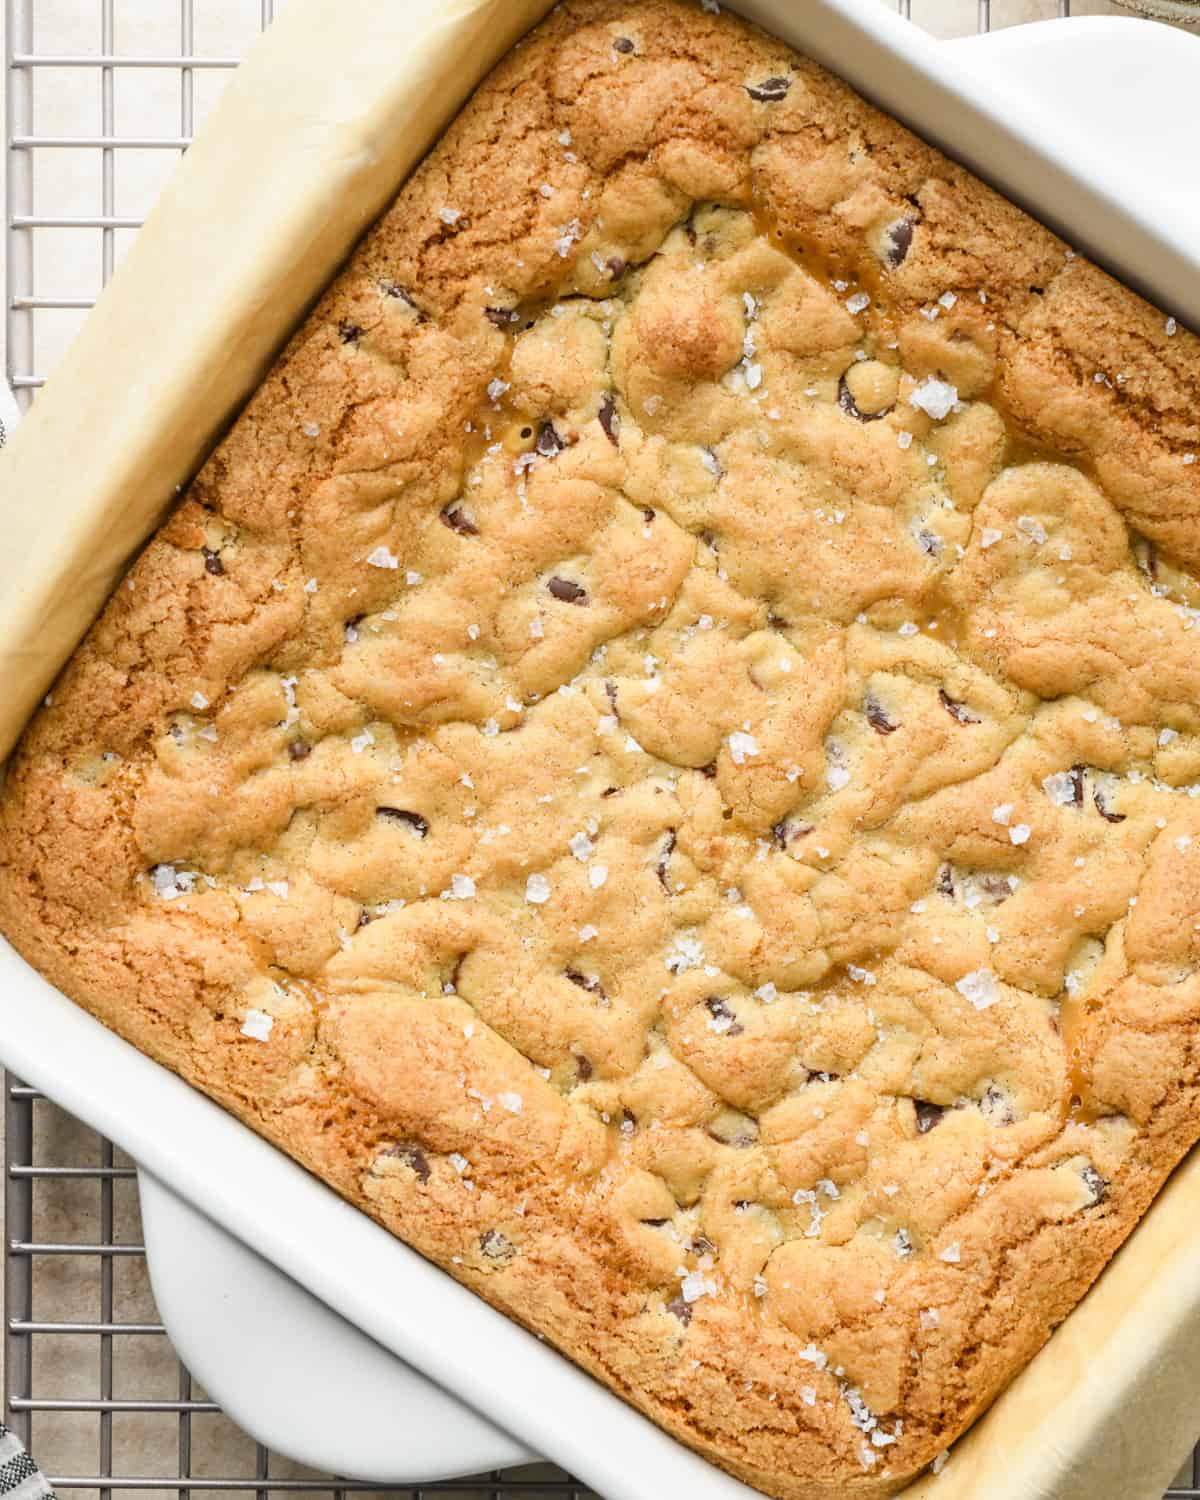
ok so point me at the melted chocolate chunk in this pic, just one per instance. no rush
(680, 1309)
(664, 862)
(928, 1115)
(770, 90)
(1102, 808)
(583, 1067)
(549, 444)
(568, 591)
(212, 562)
(586, 982)
(624, 44)
(350, 332)
(458, 520)
(930, 544)
(648, 515)
(610, 420)
(848, 404)
(877, 717)
(996, 1106)
(899, 241)
(995, 886)
(789, 829)
(415, 821)
(497, 1246)
(412, 1156)
(1097, 1185)
(402, 294)
(720, 1011)
(959, 712)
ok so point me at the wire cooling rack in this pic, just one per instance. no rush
(91, 1382)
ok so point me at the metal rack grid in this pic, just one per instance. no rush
(75, 1310)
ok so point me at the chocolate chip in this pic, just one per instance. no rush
(720, 1011)
(458, 520)
(770, 90)
(412, 1156)
(1077, 785)
(624, 44)
(945, 881)
(959, 712)
(648, 515)
(299, 749)
(928, 1115)
(702, 1245)
(1102, 808)
(709, 771)
(1097, 1185)
(877, 717)
(680, 1309)
(848, 404)
(583, 1067)
(415, 821)
(350, 332)
(212, 562)
(502, 317)
(610, 420)
(587, 982)
(930, 543)
(996, 1106)
(497, 1246)
(995, 886)
(664, 862)
(568, 591)
(402, 294)
(549, 444)
(788, 830)
(899, 240)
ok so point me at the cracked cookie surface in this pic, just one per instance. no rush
(659, 754)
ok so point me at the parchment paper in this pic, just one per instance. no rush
(318, 128)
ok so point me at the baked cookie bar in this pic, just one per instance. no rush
(658, 756)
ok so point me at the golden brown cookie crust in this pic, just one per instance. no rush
(658, 755)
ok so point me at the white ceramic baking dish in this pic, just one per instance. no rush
(1106, 1410)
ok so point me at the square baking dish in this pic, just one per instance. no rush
(1132, 1332)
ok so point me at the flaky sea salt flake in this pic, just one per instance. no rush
(258, 1025)
(980, 988)
(935, 397)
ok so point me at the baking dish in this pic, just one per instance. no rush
(437, 1329)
